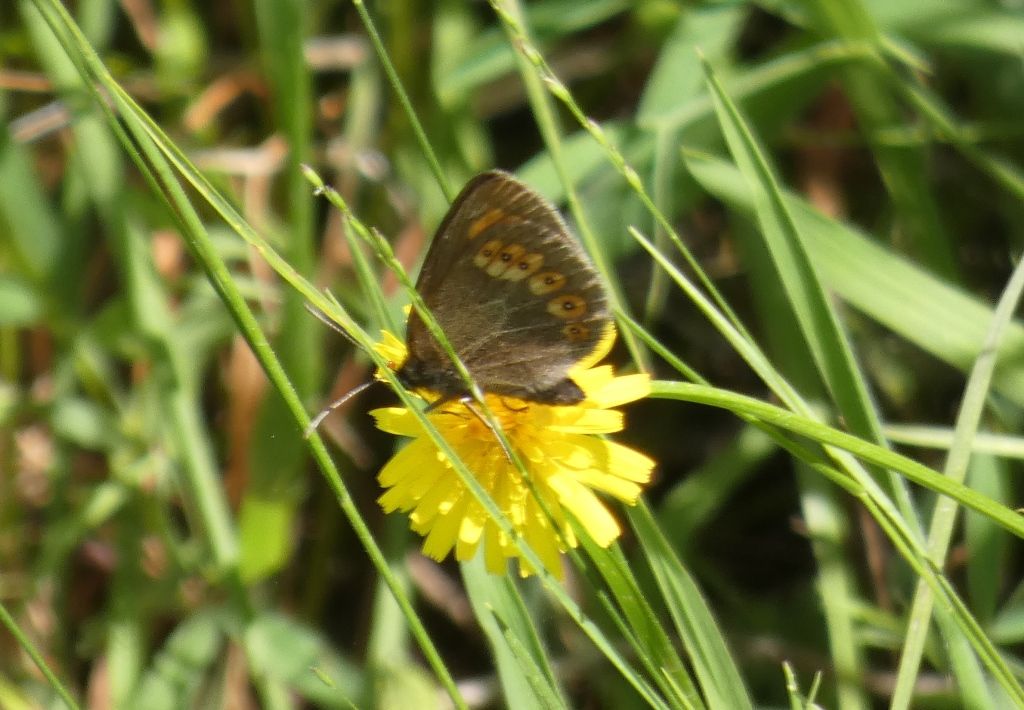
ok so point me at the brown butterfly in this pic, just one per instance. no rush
(513, 292)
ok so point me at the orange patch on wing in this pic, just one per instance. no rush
(576, 332)
(546, 282)
(570, 307)
(487, 253)
(489, 219)
(524, 267)
(506, 258)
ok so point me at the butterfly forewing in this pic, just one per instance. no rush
(513, 292)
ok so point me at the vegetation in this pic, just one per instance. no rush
(808, 215)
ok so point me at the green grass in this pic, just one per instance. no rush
(808, 216)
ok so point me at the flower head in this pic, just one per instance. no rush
(565, 457)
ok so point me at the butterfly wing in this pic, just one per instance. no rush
(514, 293)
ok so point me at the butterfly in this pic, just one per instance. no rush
(514, 293)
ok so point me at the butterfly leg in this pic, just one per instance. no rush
(468, 402)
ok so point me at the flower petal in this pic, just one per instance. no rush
(407, 494)
(438, 501)
(626, 491)
(409, 475)
(397, 420)
(408, 462)
(443, 533)
(578, 420)
(471, 530)
(593, 379)
(621, 390)
(541, 538)
(614, 458)
(587, 509)
(391, 349)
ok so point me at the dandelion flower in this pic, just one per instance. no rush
(560, 446)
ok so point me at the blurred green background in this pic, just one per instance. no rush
(166, 540)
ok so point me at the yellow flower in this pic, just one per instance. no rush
(565, 458)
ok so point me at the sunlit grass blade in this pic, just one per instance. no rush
(523, 665)
(716, 671)
(871, 453)
(626, 602)
(946, 509)
(821, 332)
(902, 536)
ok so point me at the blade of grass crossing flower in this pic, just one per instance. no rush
(716, 671)
(523, 664)
(384, 252)
(946, 509)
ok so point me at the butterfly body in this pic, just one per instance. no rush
(513, 292)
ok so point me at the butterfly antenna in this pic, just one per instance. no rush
(326, 320)
(316, 421)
